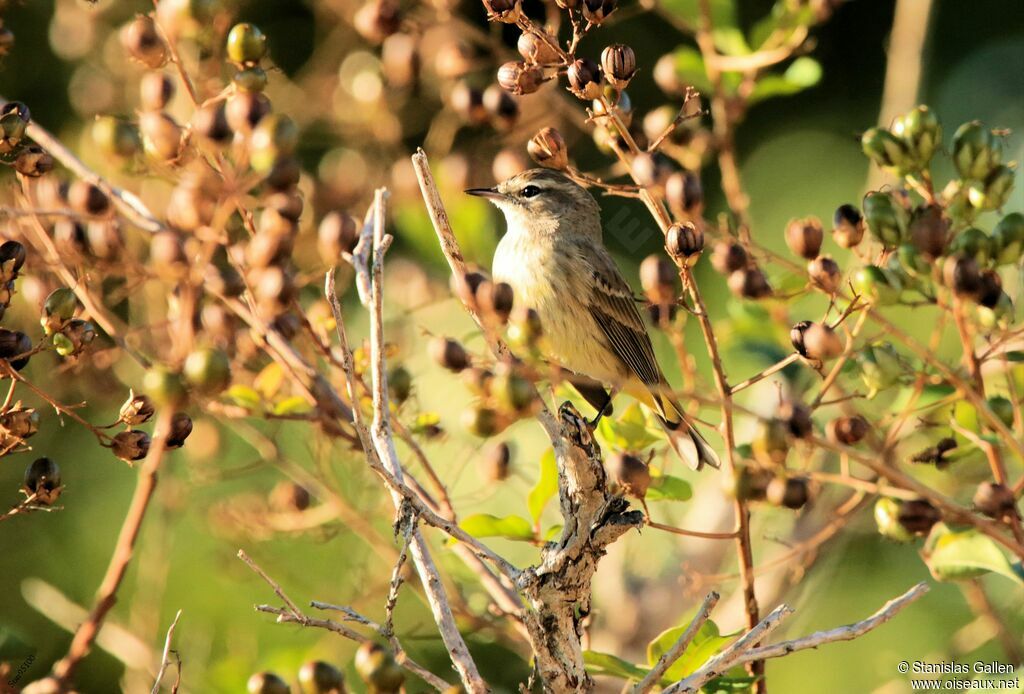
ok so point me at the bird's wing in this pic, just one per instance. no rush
(613, 307)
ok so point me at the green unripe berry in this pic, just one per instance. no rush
(250, 79)
(246, 44)
(880, 367)
(482, 421)
(1002, 408)
(1008, 239)
(164, 386)
(771, 443)
(267, 683)
(994, 191)
(887, 512)
(512, 391)
(116, 137)
(274, 138)
(921, 132)
(885, 219)
(874, 284)
(208, 370)
(886, 150)
(59, 308)
(975, 151)
(377, 667)
(399, 384)
(972, 243)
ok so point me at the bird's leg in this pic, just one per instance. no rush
(594, 393)
(606, 408)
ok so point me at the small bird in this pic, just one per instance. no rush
(554, 259)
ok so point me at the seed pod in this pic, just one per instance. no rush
(466, 289)
(825, 274)
(208, 370)
(501, 107)
(181, 427)
(847, 226)
(142, 41)
(975, 151)
(377, 667)
(538, 50)
(886, 150)
(20, 422)
(771, 442)
(399, 384)
(130, 445)
(33, 161)
(156, 89)
(482, 421)
(274, 289)
(619, 63)
(917, 516)
(630, 473)
(318, 677)
(267, 683)
(42, 479)
(659, 279)
(74, 337)
(790, 492)
(504, 11)
(585, 77)
(596, 11)
(804, 237)
(59, 308)
(137, 409)
(994, 191)
(921, 132)
(887, 519)
(874, 284)
(211, 123)
(288, 497)
(685, 194)
(962, 275)
(513, 392)
(165, 387)
(448, 353)
(378, 19)
(929, 230)
(685, 242)
(245, 109)
(750, 283)
(274, 138)
(250, 79)
(116, 137)
(1008, 239)
(996, 501)
(883, 218)
(87, 199)
(14, 343)
(973, 243)
(549, 150)
(338, 232)
(496, 462)
(525, 328)
(246, 44)
(815, 341)
(990, 288)
(519, 78)
(797, 417)
(12, 258)
(728, 257)
(750, 482)
(495, 300)
(468, 103)
(161, 135)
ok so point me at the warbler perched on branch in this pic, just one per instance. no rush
(555, 260)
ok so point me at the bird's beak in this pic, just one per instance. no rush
(489, 193)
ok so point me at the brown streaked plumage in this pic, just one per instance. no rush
(554, 258)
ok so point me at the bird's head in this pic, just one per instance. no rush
(543, 200)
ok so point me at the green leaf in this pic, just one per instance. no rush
(805, 72)
(629, 432)
(691, 70)
(953, 555)
(931, 393)
(705, 644)
(606, 664)
(244, 396)
(296, 404)
(723, 12)
(1014, 355)
(546, 487)
(669, 488)
(486, 525)
(553, 533)
(730, 41)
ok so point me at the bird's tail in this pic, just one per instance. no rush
(684, 438)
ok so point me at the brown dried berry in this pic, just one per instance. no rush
(338, 232)
(495, 299)
(548, 149)
(496, 462)
(995, 500)
(156, 90)
(536, 49)
(137, 409)
(211, 122)
(33, 161)
(504, 11)
(815, 341)
(585, 77)
(797, 417)
(685, 195)
(658, 277)
(449, 353)
(142, 41)
(728, 257)
(825, 274)
(684, 241)
(377, 19)
(181, 427)
(847, 430)
(519, 78)
(961, 274)
(42, 479)
(468, 103)
(929, 230)
(917, 516)
(750, 283)
(791, 492)
(288, 497)
(804, 237)
(619, 63)
(130, 445)
(501, 107)
(630, 473)
(847, 226)
(87, 199)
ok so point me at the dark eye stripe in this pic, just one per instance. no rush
(530, 191)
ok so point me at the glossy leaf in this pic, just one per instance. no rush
(612, 666)
(802, 74)
(546, 486)
(669, 488)
(705, 644)
(509, 527)
(244, 396)
(953, 555)
(629, 432)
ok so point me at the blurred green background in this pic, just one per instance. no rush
(799, 156)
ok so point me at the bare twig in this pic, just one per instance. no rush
(165, 658)
(679, 647)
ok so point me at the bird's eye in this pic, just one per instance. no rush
(530, 191)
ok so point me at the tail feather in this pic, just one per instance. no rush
(684, 438)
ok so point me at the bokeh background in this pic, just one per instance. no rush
(799, 155)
